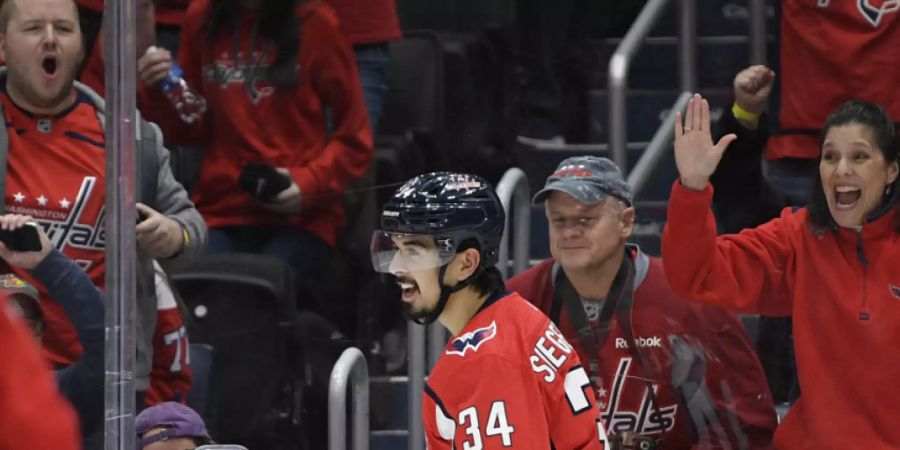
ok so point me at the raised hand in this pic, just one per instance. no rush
(695, 154)
(752, 87)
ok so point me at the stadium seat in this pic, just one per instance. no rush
(243, 305)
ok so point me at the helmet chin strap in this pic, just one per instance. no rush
(446, 292)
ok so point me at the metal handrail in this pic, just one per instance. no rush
(687, 45)
(620, 63)
(415, 371)
(515, 196)
(757, 9)
(640, 174)
(350, 367)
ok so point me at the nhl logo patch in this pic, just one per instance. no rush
(44, 126)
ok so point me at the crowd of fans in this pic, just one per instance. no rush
(790, 212)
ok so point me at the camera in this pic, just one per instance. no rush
(629, 440)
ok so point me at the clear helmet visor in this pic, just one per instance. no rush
(397, 253)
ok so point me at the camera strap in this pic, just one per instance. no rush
(592, 338)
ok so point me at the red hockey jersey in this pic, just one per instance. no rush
(831, 52)
(170, 377)
(65, 196)
(727, 394)
(510, 379)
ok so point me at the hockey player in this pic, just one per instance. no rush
(507, 378)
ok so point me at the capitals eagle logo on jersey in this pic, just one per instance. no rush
(473, 340)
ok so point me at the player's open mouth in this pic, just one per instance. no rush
(49, 64)
(846, 197)
(409, 289)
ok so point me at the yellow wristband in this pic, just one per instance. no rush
(744, 115)
(187, 237)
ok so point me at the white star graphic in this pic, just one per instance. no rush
(42, 200)
(65, 203)
(601, 392)
(19, 197)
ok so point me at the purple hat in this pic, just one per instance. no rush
(177, 419)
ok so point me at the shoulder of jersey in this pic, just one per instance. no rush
(510, 319)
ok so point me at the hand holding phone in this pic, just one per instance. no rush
(25, 244)
(24, 239)
(263, 181)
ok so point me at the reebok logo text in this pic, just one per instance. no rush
(641, 342)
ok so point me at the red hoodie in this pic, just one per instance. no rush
(842, 289)
(259, 123)
(33, 414)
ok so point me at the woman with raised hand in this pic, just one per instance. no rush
(832, 266)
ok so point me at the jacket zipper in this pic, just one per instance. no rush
(860, 253)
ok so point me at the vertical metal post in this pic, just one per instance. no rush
(618, 119)
(121, 262)
(437, 340)
(350, 369)
(515, 196)
(416, 376)
(687, 44)
(757, 31)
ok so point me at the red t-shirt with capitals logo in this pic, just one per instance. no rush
(56, 174)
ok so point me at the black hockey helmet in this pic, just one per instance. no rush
(452, 207)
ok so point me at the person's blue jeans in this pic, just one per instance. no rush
(374, 64)
(303, 251)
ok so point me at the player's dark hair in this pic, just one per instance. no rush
(487, 280)
(278, 23)
(874, 118)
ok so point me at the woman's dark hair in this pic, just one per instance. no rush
(877, 121)
(487, 280)
(276, 23)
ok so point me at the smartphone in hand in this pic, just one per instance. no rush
(25, 239)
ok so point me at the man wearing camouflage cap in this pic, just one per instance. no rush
(668, 374)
